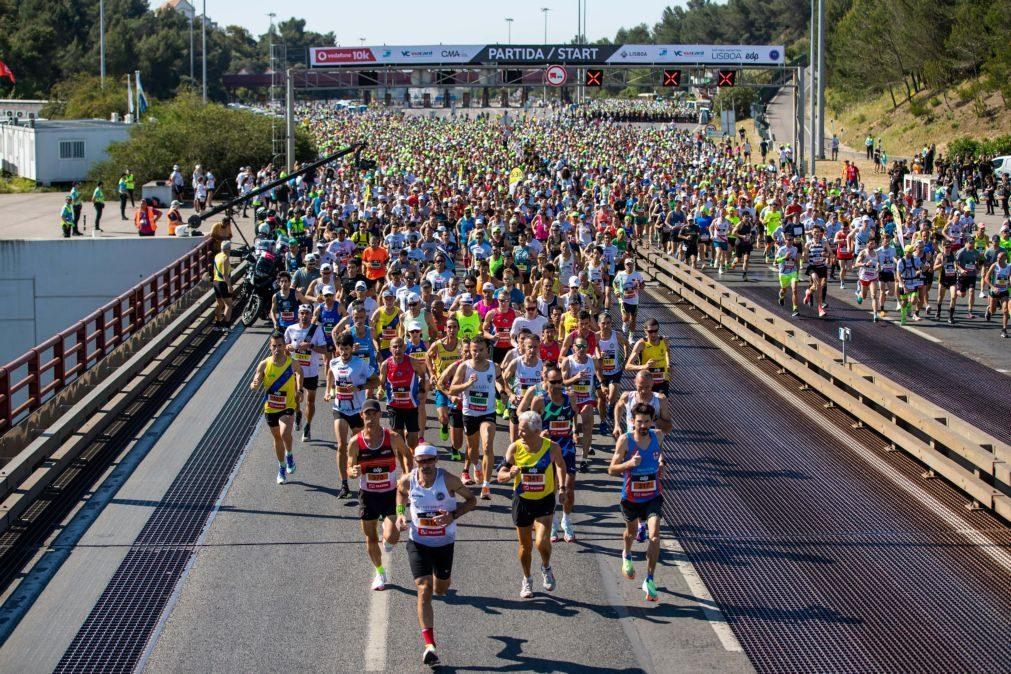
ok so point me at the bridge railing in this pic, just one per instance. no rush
(43, 371)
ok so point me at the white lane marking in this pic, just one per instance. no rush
(958, 525)
(704, 599)
(379, 620)
(921, 333)
(608, 578)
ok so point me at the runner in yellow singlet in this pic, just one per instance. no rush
(280, 379)
(385, 322)
(650, 353)
(532, 473)
(443, 352)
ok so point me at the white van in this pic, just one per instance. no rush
(1002, 165)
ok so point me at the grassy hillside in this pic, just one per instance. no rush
(936, 116)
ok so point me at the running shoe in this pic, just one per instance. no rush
(970, 315)
(444, 434)
(1003, 333)
(584, 466)
(549, 578)
(860, 298)
(465, 477)
(842, 286)
(640, 534)
(387, 547)
(289, 463)
(485, 493)
(821, 312)
(987, 315)
(649, 587)
(807, 296)
(857, 292)
(430, 658)
(282, 477)
(344, 492)
(570, 534)
(554, 532)
(526, 589)
(379, 581)
(627, 569)
(782, 301)
(455, 456)
(307, 434)
(795, 313)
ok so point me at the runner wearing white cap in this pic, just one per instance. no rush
(430, 493)
(304, 342)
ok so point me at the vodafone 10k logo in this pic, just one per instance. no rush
(555, 76)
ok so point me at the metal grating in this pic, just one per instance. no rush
(965, 387)
(817, 561)
(22, 541)
(113, 637)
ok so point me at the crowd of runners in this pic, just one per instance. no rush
(486, 272)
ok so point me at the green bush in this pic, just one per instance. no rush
(917, 108)
(1000, 145)
(83, 97)
(935, 102)
(860, 118)
(964, 146)
(187, 132)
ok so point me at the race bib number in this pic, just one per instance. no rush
(502, 339)
(556, 427)
(478, 401)
(658, 374)
(609, 364)
(629, 293)
(378, 481)
(427, 526)
(401, 395)
(277, 401)
(389, 333)
(305, 358)
(345, 392)
(644, 486)
(533, 482)
(288, 316)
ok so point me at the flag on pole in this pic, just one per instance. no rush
(141, 98)
(129, 95)
(6, 72)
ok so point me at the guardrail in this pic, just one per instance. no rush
(45, 370)
(972, 460)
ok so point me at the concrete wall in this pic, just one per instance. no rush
(48, 286)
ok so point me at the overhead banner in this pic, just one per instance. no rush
(542, 55)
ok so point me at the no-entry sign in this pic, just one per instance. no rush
(555, 76)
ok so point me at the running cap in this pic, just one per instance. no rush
(326, 267)
(488, 286)
(371, 405)
(425, 451)
(329, 290)
(466, 298)
(306, 308)
(361, 285)
(388, 293)
(573, 281)
(414, 325)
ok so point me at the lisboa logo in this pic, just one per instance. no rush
(774, 54)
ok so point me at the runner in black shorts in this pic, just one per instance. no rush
(432, 535)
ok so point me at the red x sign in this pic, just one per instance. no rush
(594, 78)
(727, 78)
(672, 78)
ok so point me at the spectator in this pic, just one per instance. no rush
(177, 183)
(98, 201)
(145, 219)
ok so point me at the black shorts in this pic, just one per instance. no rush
(274, 418)
(498, 353)
(612, 378)
(353, 420)
(886, 276)
(456, 417)
(691, 251)
(818, 269)
(472, 425)
(948, 281)
(928, 279)
(743, 248)
(404, 419)
(430, 561)
(221, 290)
(632, 511)
(374, 505)
(999, 295)
(526, 510)
(966, 282)
(310, 383)
(629, 309)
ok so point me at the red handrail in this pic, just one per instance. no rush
(55, 363)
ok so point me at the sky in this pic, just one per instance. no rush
(410, 22)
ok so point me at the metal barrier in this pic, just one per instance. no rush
(974, 461)
(49, 367)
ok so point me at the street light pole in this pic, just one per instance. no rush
(191, 48)
(544, 94)
(101, 40)
(509, 30)
(270, 60)
(821, 79)
(811, 89)
(203, 48)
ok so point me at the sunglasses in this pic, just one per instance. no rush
(427, 460)
(580, 346)
(653, 331)
(555, 382)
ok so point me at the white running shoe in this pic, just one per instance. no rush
(379, 582)
(387, 547)
(430, 658)
(549, 578)
(526, 589)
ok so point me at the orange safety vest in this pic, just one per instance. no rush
(146, 219)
